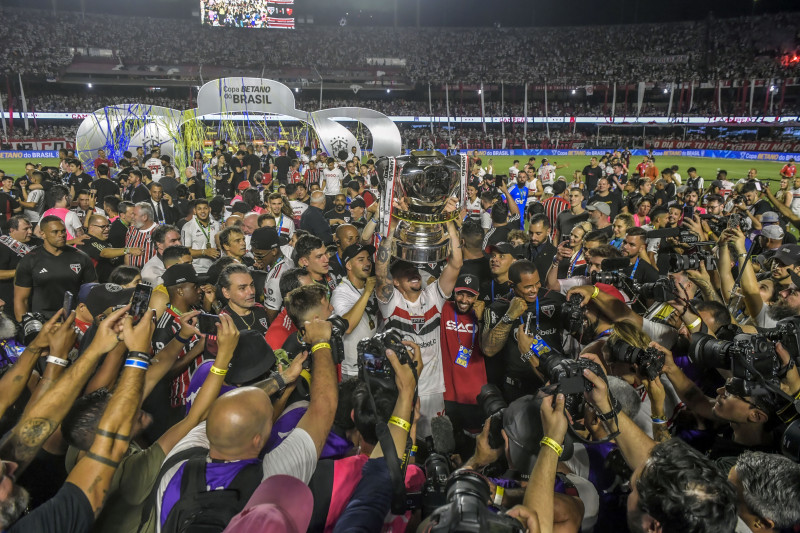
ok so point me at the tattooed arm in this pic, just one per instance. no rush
(42, 417)
(494, 338)
(385, 286)
(93, 473)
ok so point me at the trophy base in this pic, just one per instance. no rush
(422, 253)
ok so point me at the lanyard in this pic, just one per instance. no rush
(572, 266)
(474, 330)
(206, 234)
(537, 316)
(603, 334)
(635, 266)
(280, 224)
(339, 260)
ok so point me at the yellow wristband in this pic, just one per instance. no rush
(399, 422)
(498, 495)
(553, 445)
(320, 346)
(595, 293)
(306, 375)
(695, 324)
(218, 371)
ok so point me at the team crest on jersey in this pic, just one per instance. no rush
(263, 322)
(75, 267)
(417, 322)
(549, 310)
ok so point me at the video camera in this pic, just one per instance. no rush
(718, 224)
(466, 494)
(372, 362)
(649, 361)
(683, 236)
(681, 263)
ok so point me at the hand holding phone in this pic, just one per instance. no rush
(140, 301)
(207, 323)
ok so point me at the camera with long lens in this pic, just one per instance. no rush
(566, 377)
(467, 493)
(573, 315)
(434, 490)
(373, 365)
(787, 332)
(649, 361)
(339, 327)
(749, 357)
(614, 278)
(663, 290)
(491, 402)
(681, 263)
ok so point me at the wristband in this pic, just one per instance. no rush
(695, 324)
(595, 293)
(181, 339)
(320, 346)
(606, 417)
(498, 496)
(218, 371)
(56, 360)
(399, 422)
(137, 363)
(140, 355)
(280, 381)
(553, 445)
(413, 451)
(657, 420)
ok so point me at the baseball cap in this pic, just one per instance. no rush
(355, 249)
(770, 217)
(179, 273)
(105, 295)
(279, 503)
(599, 206)
(548, 190)
(265, 238)
(251, 359)
(788, 254)
(506, 248)
(468, 283)
(358, 202)
(83, 292)
(772, 232)
(244, 185)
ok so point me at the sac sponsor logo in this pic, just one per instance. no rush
(459, 327)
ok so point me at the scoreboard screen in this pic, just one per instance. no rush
(248, 13)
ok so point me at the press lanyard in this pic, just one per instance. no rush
(635, 266)
(572, 266)
(280, 224)
(339, 260)
(537, 316)
(474, 329)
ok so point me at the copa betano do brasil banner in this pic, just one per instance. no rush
(719, 154)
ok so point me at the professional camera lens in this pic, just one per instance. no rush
(490, 400)
(709, 352)
(680, 263)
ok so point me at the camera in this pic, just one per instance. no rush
(566, 377)
(649, 361)
(749, 357)
(573, 315)
(372, 362)
(467, 493)
(609, 278)
(31, 326)
(663, 290)
(680, 263)
(434, 490)
(491, 401)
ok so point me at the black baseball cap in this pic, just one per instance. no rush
(251, 360)
(468, 283)
(507, 248)
(788, 254)
(355, 249)
(358, 202)
(179, 273)
(265, 238)
(105, 295)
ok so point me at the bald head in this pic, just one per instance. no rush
(318, 198)
(239, 423)
(346, 235)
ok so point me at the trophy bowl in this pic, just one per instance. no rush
(423, 181)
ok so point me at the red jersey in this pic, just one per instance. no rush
(464, 375)
(279, 330)
(788, 170)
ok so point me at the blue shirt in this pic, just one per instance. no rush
(520, 196)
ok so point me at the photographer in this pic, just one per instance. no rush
(635, 247)
(674, 488)
(768, 487)
(533, 310)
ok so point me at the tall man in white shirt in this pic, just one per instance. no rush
(331, 183)
(198, 235)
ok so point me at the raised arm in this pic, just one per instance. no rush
(493, 338)
(324, 392)
(447, 281)
(615, 310)
(752, 297)
(385, 286)
(782, 208)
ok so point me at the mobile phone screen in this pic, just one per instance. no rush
(67, 304)
(207, 323)
(140, 301)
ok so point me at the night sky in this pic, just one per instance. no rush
(463, 13)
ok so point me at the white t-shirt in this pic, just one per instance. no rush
(333, 181)
(272, 290)
(33, 215)
(512, 172)
(763, 320)
(420, 320)
(155, 167)
(663, 334)
(343, 298)
(474, 209)
(197, 238)
(547, 173)
(153, 270)
(486, 221)
(284, 226)
(73, 223)
(298, 208)
(296, 456)
(795, 206)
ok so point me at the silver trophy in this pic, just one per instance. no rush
(422, 181)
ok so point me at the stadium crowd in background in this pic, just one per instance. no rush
(611, 351)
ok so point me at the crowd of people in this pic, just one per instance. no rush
(237, 346)
(43, 44)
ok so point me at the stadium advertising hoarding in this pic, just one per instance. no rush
(717, 154)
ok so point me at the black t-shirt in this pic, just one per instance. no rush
(223, 173)
(140, 194)
(104, 187)
(548, 326)
(613, 201)
(265, 160)
(84, 181)
(238, 172)
(335, 215)
(68, 512)
(254, 162)
(661, 197)
(492, 290)
(336, 269)
(102, 265)
(760, 207)
(11, 253)
(51, 275)
(170, 186)
(608, 231)
(7, 206)
(477, 267)
(255, 320)
(645, 272)
(591, 176)
(116, 234)
(282, 163)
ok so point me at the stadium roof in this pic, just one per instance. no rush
(459, 13)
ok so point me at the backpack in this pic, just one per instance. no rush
(202, 511)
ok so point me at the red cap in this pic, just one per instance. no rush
(244, 185)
